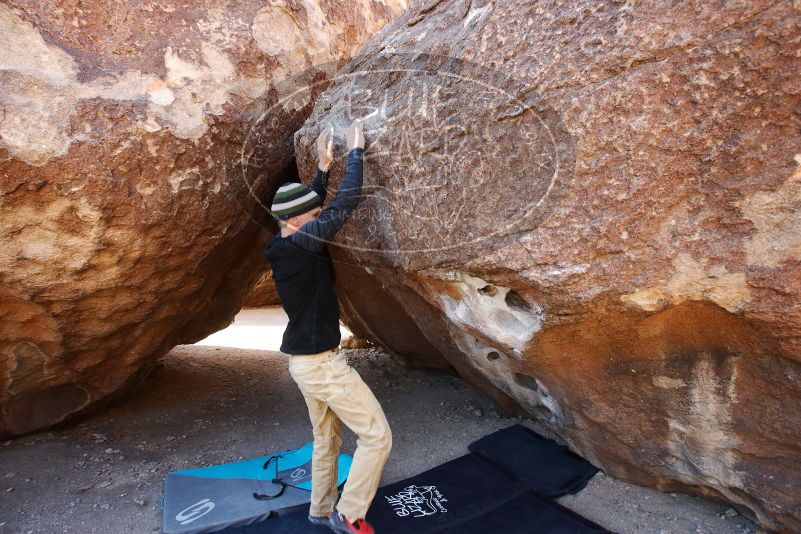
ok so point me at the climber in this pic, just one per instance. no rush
(334, 392)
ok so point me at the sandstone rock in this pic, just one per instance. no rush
(591, 210)
(138, 144)
(263, 293)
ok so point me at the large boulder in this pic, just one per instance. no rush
(139, 142)
(593, 210)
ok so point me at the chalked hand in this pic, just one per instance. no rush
(325, 149)
(355, 135)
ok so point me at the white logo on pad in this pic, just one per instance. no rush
(195, 511)
(418, 501)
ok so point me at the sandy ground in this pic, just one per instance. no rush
(207, 404)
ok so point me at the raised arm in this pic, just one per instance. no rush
(325, 155)
(320, 183)
(314, 235)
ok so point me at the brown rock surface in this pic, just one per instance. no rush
(137, 142)
(263, 293)
(593, 209)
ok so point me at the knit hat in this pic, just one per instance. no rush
(294, 198)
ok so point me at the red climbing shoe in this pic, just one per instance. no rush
(339, 523)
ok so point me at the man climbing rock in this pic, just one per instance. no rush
(333, 390)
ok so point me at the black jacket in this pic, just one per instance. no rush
(302, 268)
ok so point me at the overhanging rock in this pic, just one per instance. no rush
(591, 210)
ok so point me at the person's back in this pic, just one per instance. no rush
(300, 261)
(304, 282)
(334, 392)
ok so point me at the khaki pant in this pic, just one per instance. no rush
(336, 394)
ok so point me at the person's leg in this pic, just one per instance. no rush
(327, 430)
(357, 407)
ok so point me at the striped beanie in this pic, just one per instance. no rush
(292, 199)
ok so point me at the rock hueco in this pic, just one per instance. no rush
(139, 143)
(591, 211)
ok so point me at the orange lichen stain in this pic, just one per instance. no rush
(588, 347)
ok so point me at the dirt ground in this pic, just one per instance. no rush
(207, 404)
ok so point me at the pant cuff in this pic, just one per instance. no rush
(319, 512)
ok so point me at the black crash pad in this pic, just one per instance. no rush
(466, 495)
(546, 467)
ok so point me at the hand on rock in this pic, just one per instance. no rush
(355, 135)
(325, 149)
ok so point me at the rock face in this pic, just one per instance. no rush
(593, 211)
(263, 293)
(138, 144)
